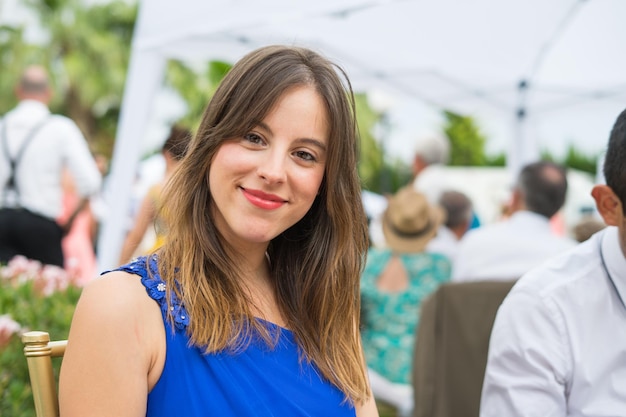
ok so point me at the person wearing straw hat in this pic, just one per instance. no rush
(394, 282)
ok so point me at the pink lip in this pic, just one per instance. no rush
(263, 200)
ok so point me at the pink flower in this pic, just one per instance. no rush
(54, 278)
(8, 327)
(46, 278)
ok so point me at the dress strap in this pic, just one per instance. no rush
(147, 269)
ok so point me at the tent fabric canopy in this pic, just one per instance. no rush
(537, 69)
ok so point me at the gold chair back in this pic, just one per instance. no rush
(39, 351)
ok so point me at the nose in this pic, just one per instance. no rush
(272, 167)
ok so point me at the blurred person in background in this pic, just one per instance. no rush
(507, 249)
(588, 225)
(432, 153)
(459, 214)
(395, 281)
(173, 150)
(36, 147)
(78, 250)
(98, 201)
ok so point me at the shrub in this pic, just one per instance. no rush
(32, 297)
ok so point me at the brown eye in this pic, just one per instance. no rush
(254, 138)
(306, 156)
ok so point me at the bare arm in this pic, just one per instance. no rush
(115, 350)
(145, 217)
(367, 409)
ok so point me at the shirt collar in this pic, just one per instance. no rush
(530, 217)
(32, 104)
(614, 259)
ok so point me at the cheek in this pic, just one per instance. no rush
(224, 156)
(228, 160)
(310, 184)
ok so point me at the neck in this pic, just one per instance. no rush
(253, 265)
(35, 98)
(258, 285)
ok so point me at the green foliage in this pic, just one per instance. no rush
(498, 160)
(377, 172)
(574, 159)
(385, 409)
(579, 160)
(14, 52)
(86, 49)
(34, 311)
(371, 155)
(196, 87)
(466, 140)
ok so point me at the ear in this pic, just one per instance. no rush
(418, 165)
(608, 204)
(516, 200)
(46, 97)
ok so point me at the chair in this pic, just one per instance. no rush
(451, 348)
(39, 351)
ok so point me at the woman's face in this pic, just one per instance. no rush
(266, 181)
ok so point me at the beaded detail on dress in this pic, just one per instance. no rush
(157, 288)
(257, 381)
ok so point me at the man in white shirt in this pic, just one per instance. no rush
(558, 345)
(35, 147)
(508, 249)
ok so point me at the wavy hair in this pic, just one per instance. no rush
(315, 264)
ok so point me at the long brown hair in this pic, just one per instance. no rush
(315, 264)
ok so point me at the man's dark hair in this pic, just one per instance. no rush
(458, 208)
(543, 186)
(177, 142)
(614, 171)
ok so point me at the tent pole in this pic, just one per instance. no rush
(145, 75)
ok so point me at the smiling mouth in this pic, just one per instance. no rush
(263, 200)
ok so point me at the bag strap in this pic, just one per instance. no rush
(11, 183)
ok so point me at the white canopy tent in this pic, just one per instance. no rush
(538, 68)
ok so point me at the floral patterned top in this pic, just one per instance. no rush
(258, 381)
(389, 320)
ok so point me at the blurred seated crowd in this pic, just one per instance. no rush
(428, 238)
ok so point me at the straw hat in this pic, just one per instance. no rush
(410, 222)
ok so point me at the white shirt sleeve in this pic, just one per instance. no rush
(79, 160)
(528, 360)
(468, 249)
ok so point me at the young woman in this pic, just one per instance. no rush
(257, 285)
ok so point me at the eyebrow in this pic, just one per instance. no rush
(314, 142)
(310, 141)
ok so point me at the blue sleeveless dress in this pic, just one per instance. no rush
(260, 381)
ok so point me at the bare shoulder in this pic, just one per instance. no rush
(116, 296)
(117, 304)
(116, 349)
